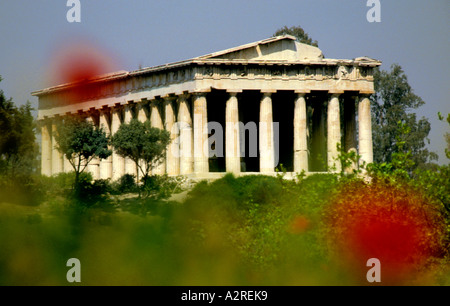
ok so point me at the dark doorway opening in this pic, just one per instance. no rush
(317, 122)
(283, 116)
(216, 102)
(249, 105)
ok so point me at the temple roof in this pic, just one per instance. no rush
(279, 50)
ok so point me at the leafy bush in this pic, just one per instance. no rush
(125, 184)
(24, 189)
(161, 186)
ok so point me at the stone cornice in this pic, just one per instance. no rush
(176, 72)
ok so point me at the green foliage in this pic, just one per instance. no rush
(80, 142)
(143, 144)
(435, 183)
(161, 187)
(259, 214)
(392, 102)
(22, 189)
(349, 161)
(249, 230)
(299, 33)
(18, 147)
(447, 135)
(125, 184)
(402, 163)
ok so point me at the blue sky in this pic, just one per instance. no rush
(412, 33)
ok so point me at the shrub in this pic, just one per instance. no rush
(125, 184)
(26, 189)
(161, 187)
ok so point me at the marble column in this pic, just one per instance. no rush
(118, 163)
(186, 136)
(67, 165)
(173, 149)
(201, 153)
(57, 158)
(130, 166)
(350, 143)
(232, 143)
(156, 122)
(46, 147)
(142, 110)
(333, 133)
(266, 137)
(300, 134)
(365, 130)
(106, 164)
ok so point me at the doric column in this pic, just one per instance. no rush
(156, 122)
(46, 143)
(142, 110)
(106, 164)
(232, 143)
(333, 132)
(57, 159)
(266, 137)
(173, 149)
(201, 153)
(365, 130)
(350, 143)
(67, 165)
(118, 163)
(186, 136)
(300, 134)
(130, 166)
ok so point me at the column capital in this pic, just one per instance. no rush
(364, 95)
(155, 101)
(268, 91)
(169, 97)
(302, 91)
(183, 96)
(199, 93)
(233, 94)
(104, 109)
(335, 94)
(366, 92)
(234, 91)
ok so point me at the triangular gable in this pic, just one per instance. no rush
(276, 48)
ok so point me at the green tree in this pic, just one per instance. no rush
(143, 144)
(393, 102)
(299, 33)
(18, 147)
(80, 142)
(447, 134)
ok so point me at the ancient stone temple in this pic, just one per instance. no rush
(243, 110)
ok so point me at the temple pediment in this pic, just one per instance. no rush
(275, 48)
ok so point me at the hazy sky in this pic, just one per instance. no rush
(412, 33)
